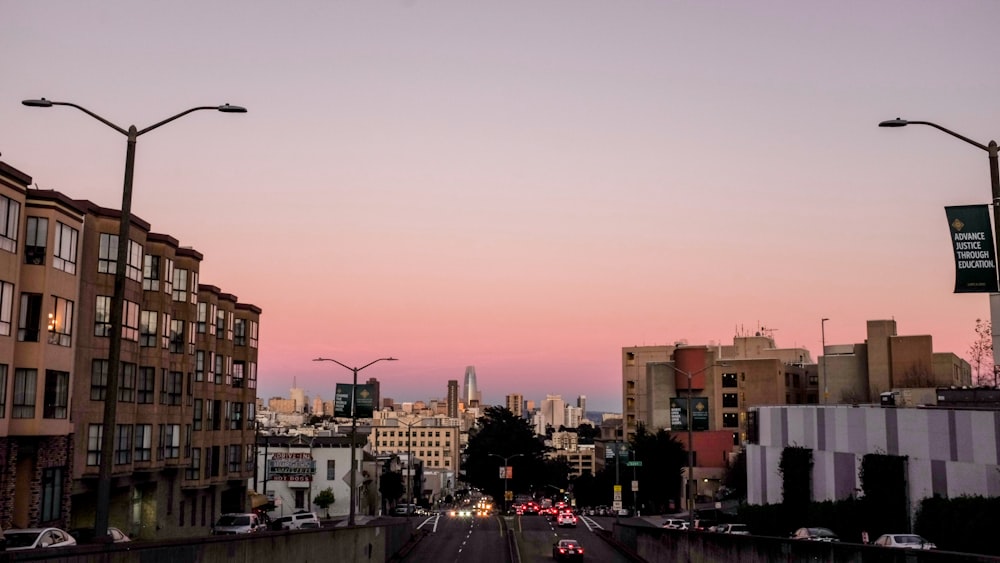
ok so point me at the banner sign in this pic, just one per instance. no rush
(291, 467)
(679, 413)
(972, 239)
(365, 407)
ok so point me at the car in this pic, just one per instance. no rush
(460, 512)
(86, 535)
(567, 550)
(405, 510)
(296, 521)
(674, 523)
(815, 534)
(905, 541)
(566, 519)
(237, 523)
(734, 529)
(35, 538)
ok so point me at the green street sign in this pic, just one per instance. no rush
(634, 464)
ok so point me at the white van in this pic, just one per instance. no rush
(229, 524)
(296, 521)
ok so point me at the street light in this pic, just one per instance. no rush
(354, 423)
(822, 328)
(118, 299)
(690, 433)
(992, 151)
(505, 460)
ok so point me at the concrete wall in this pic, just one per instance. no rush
(358, 544)
(656, 545)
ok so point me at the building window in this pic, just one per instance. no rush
(29, 322)
(123, 444)
(56, 403)
(6, 306)
(143, 442)
(102, 316)
(165, 336)
(331, 469)
(253, 334)
(193, 470)
(25, 386)
(151, 273)
(10, 215)
(191, 336)
(98, 380)
(126, 383)
(237, 421)
(729, 380)
(238, 373)
(176, 336)
(170, 441)
(198, 413)
(199, 365)
(3, 390)
(220, 325)
(148, 335)
(108, 253)
(240, 332)
(61, 323)
(220, 366)
(730, 400)
(180, 285)
(168, 276)
(64, 255)
(146, 385)
(234, 458)
(135, 261)
(35, 236)
(173, 384)
(730, 420)
(252, 376)
(95, 436)
(300, 498)
(52, 493)
(130, 321)
(813, 380)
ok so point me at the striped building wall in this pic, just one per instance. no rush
(950, 452)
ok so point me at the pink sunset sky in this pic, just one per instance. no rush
(526, 186)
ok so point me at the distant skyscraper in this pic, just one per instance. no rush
(470, 392)
(554, 411)
(581, 402)
(453, 398)
(373, 381)
(298, 397)
(515, 404)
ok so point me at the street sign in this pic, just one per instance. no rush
(508, 495)
(635, 486)
(634, 464)
(618, 496)
(617, 488)
(616, 506)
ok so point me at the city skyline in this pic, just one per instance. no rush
(527, 187)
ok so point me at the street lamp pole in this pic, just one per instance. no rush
(822, 329)
(354, 424)
(991, 151)
(691, 482)
(106, 463)
(505, 460)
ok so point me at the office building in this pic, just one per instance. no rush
(452, 398)
(470, 393)
(515, 404)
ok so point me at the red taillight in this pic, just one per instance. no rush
(562, 550)
(579, 550)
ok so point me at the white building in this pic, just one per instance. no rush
(950, 452)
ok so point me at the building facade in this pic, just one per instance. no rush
(187, 381)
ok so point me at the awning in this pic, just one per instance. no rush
(256, 499)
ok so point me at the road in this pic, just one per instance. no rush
(484, 540)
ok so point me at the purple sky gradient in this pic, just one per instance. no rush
(527, 186)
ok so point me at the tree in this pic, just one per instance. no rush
(324, 499)
(391, 486)
(500, 433)
(663, 460)
(981, 354)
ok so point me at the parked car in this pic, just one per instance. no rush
(404, 510)
(86, 535)
(567, 550)
(296, 521)
(566, 519)
(674, 523)
(237, 523)
(815, 534)
(910, 541)
(735, 529)
(34, 538)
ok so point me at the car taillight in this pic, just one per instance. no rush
(562, 550)
(579, 550)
